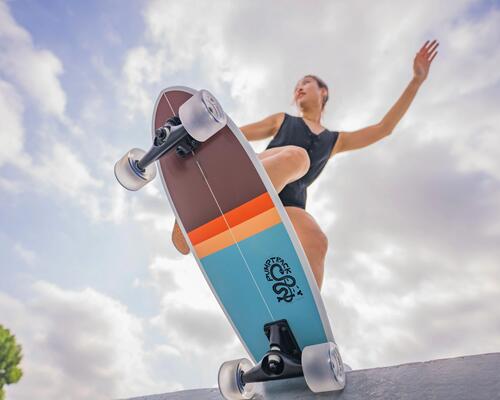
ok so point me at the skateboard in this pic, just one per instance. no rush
(243, 241)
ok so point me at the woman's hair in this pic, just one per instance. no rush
(321, 84)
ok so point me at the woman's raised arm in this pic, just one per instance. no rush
(371, 134)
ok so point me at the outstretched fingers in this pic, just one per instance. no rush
(429, 50)
(432, 58)
(422, 49)
(431, 53)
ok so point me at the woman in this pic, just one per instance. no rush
(301, 147)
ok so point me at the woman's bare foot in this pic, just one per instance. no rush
(178, 240)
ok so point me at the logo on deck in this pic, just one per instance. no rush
(285, 284)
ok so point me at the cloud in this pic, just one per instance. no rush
(194, 326)
(59, 165)
(203, 52)
(28, 256)
(35, 74)
(61, 170)
(35, 71)
(12, 130)
(411, 221)
(412, 253)
(189, 311)
(78, 341)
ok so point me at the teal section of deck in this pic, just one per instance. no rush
(260, 280)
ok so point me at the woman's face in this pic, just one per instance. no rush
(308, 94)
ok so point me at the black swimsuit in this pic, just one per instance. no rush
(294, 131)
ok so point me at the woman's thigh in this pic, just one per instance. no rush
(310, 234)
(272, 151)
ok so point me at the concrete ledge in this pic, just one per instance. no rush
(462, 378)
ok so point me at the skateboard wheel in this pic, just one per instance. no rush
(129, 175)
(230, 385)
(323, 367)
(202, 115)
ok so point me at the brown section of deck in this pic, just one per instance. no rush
(226, 166)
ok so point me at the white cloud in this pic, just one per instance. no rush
(423, 195)
(412, 221)
(195, 328)
(466, 37)
(60, 167)
(440, 269)
(81, 342)
(181, 285)
(28, 256)
(12, 130)
(139, 69)
(171, 48)
(35, 71)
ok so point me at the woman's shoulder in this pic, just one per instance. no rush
(279, 118)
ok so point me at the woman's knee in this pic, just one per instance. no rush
(296, 153)
(269, 152)
(297, 156)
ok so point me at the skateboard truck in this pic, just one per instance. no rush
(136, 168)
(283, 360)
(200, 117)
(320, 365)
(171, 134)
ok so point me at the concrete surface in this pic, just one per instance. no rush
(462, 378)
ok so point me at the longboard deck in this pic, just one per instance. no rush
(240, 235)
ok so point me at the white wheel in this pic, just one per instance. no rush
(323, 367)
(202, 115)
(129, 175)
(230, 384)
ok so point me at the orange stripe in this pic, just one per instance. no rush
(210, 229)
(214, 244)
(255, 225)
(234, 217)
(242, 231)
(249, 210)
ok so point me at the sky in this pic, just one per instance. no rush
(90, 284)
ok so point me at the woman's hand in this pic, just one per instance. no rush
(423, 60)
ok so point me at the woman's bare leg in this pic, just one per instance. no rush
(283, 165)
(312, 238)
